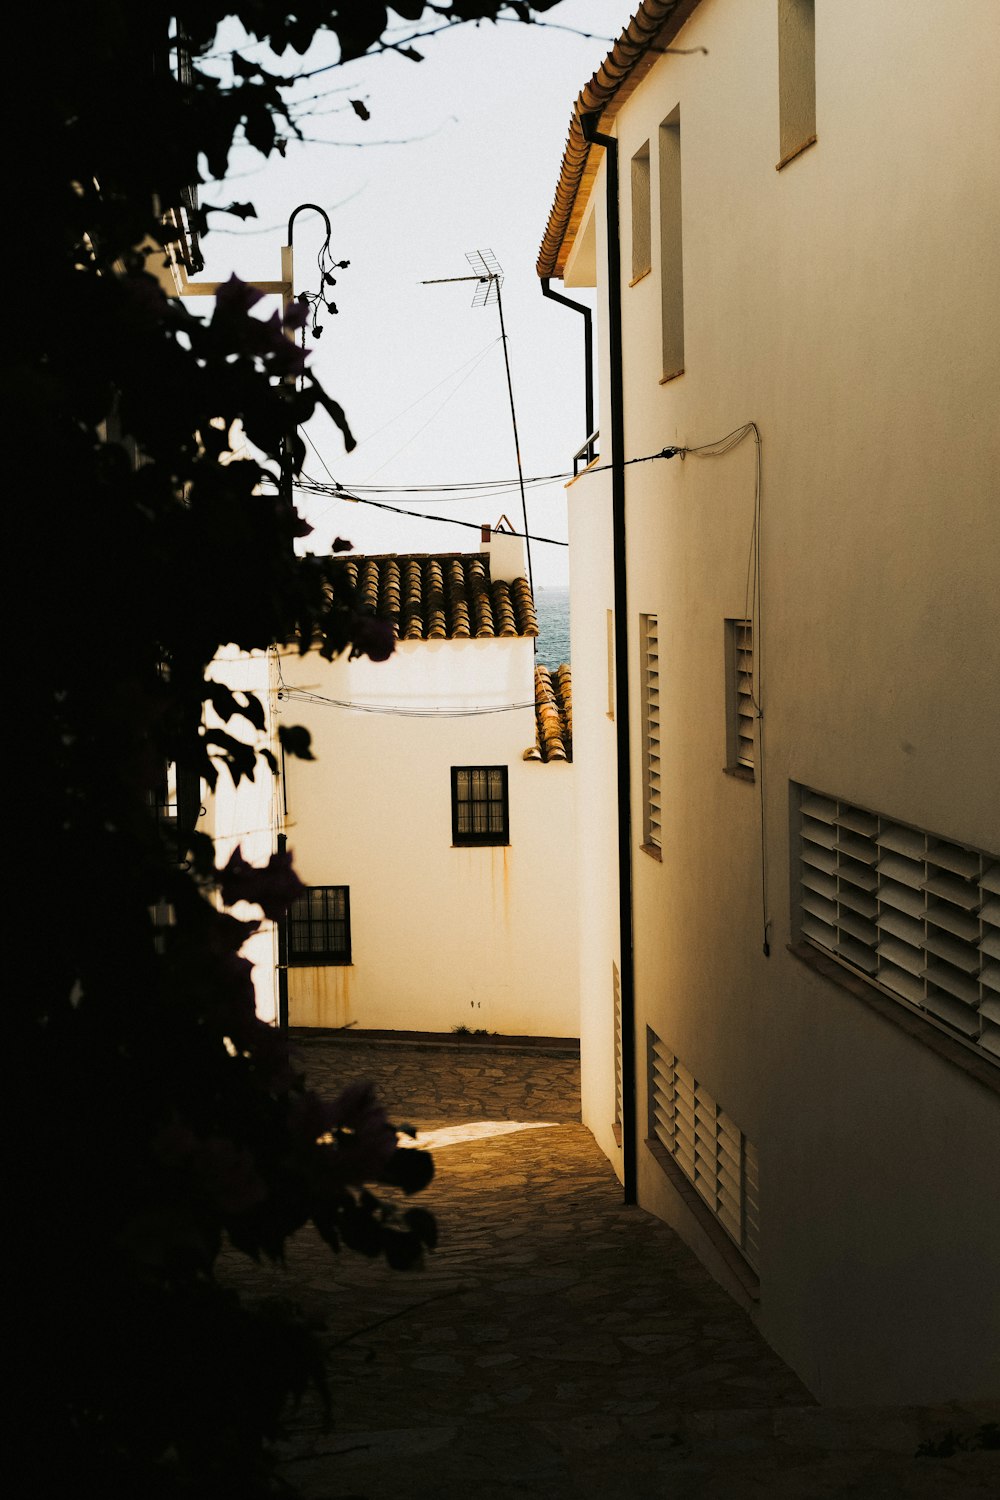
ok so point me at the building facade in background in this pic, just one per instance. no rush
(435, 827)
(810, 625)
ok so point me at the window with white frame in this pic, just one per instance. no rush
(707, 1146)
(915, 914)
(649, 646)
(741, 712)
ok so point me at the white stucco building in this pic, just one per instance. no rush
(786, 648)
(435, 828)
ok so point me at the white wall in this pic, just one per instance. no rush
(594, 758)
(442, 936)
(849, 306)
(246, 816)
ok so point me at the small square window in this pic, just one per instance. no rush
(479, 810)
(319, 926)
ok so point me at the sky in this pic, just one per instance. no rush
(481, 125)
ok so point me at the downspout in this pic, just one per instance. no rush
(283, 954)
(588, 351)
(592, 135)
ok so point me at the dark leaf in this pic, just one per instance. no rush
(402, 1251)
(408, 1169)
(240, 758)
(296, 741)
(423, 1225)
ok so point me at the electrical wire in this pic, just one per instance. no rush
(510, 485)
(303, 695)
(752, 611)
(474, 359)
(336, 491)
(438, 409)
(417, 515)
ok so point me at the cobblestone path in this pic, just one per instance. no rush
(557, 1344)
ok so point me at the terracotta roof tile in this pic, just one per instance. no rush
(652, 27)
(442, 596)
(553, 715)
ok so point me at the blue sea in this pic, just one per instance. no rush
(552, 608)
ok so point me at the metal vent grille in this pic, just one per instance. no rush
(746, 714)
(706, 1144)
(649, 636)
(917, 915)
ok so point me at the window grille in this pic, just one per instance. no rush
(479, 806)
(917, 915)
(708, 1147)
(319, 926)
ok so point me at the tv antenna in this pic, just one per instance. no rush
(487, 273)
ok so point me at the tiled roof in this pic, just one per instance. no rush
(651, 28)
(442, 596)
(553, 715)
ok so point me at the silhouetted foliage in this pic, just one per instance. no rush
(160, 1119)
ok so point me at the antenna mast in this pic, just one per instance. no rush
(488, 274)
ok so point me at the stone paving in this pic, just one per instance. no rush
(558, 1343)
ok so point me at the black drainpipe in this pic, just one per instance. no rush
(592, 135)
(588, 353)
(283, 954)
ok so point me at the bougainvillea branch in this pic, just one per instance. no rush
(160, 1119)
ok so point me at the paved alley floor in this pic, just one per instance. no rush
(557, 1343)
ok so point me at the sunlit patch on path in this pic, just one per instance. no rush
(558, 1343)
(477, 1130)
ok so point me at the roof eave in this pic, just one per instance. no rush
(652, 28)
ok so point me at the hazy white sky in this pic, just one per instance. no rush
(483, 121)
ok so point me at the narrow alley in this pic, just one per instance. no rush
(557, 1343)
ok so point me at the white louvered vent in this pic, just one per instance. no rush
(649, 639)
(916, 914)
(706, 1144)
(745, 714)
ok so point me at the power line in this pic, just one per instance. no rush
(302, 695)
(314, 488)
(512, 484)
